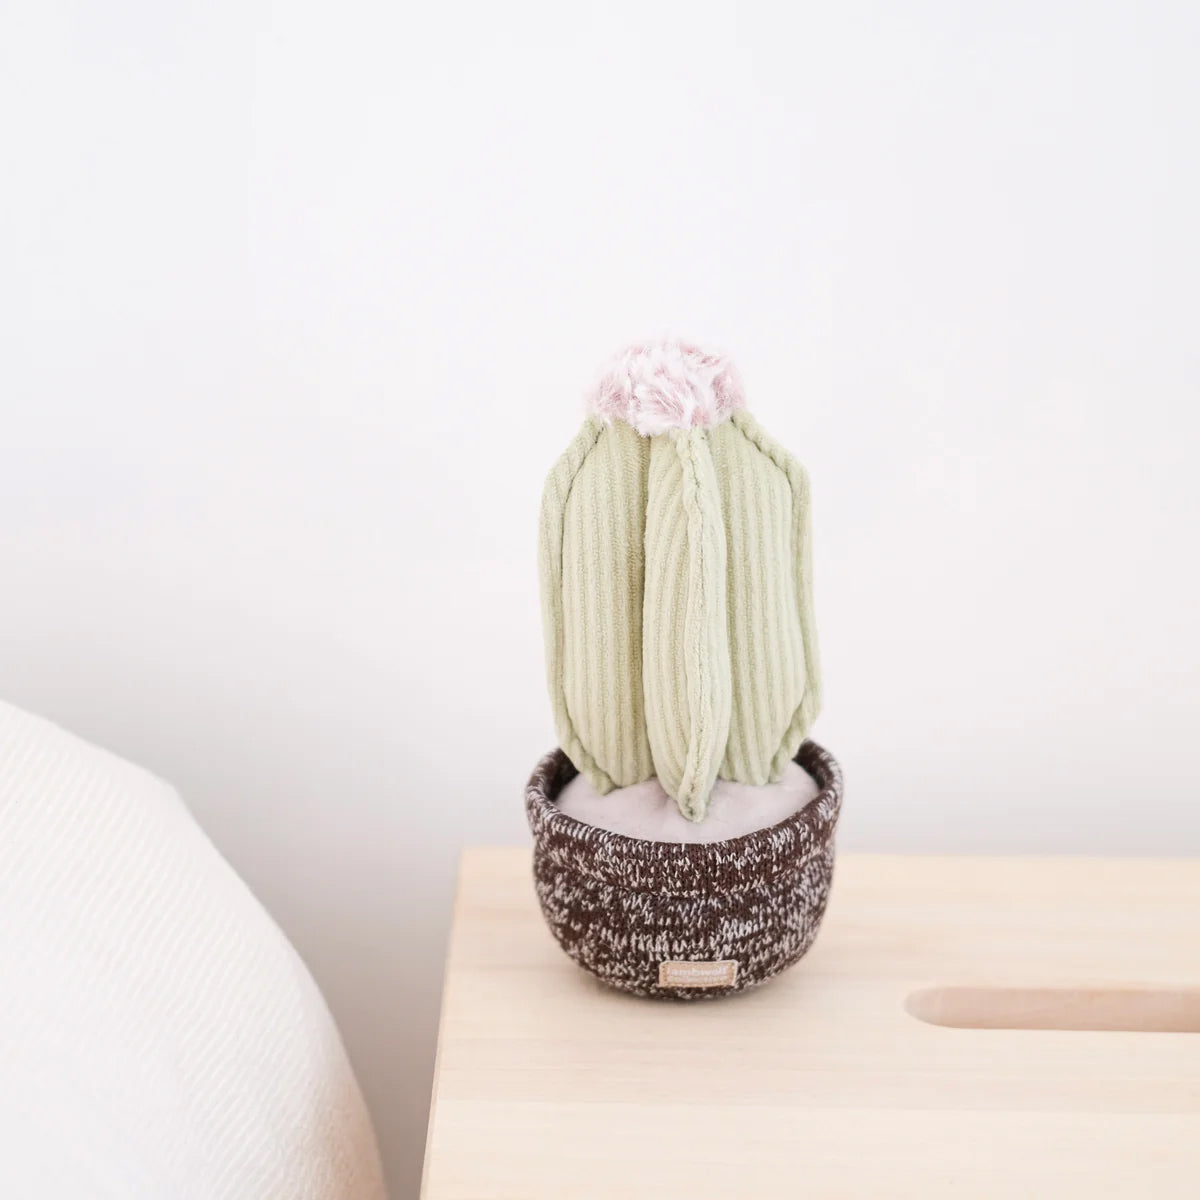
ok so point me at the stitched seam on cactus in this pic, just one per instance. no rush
(556, 493)
(703, 737)
(665, 723)
(695, 677)
(810, 703)
(685, 631)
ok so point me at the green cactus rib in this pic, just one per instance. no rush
(685, 661)
(677, 606)
(602, 559)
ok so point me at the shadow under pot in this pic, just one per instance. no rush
(676, 920)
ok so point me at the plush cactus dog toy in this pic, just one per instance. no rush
(676, 587)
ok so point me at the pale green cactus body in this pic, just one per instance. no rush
(685, 654)
(600, 617)
(677, 604)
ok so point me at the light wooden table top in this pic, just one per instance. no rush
(822, 1083)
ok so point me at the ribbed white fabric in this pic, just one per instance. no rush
(159, 1037)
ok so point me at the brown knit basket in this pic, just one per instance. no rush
(621, 906)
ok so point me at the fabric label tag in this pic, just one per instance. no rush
(698, 974)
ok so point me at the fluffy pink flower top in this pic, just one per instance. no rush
(660, 387)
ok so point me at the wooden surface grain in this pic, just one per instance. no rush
(823, 1083)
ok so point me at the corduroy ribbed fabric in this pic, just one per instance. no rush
(677, 603)
(685, 661)
(766, 604)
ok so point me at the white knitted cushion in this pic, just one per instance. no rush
(159, 1037)
(644, 810)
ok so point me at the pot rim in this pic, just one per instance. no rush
(683, 868)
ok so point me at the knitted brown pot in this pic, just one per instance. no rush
(685, 921)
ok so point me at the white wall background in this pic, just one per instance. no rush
(296, 304)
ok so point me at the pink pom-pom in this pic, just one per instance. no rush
(658, 387)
